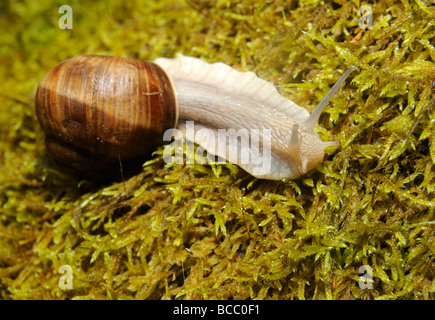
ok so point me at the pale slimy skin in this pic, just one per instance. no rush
(216, 96)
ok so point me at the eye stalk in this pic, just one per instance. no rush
(311, 122)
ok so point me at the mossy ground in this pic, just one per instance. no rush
(206, 232)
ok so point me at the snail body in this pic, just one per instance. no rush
(98, 109)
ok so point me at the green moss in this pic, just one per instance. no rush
(213, 231)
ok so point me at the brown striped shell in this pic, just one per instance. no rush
(96, 110)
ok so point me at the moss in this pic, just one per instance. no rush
(213, 231)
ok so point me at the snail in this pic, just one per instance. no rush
(96, 110)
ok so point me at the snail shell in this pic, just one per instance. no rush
(97, 109)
